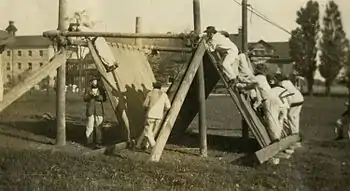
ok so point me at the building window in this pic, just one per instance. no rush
(9, 78)
(20, 77)
(8, 66)
(41, 53)
(41, 64)
(30, 53)
(19, 66)
(19, 53)
(30, 66)
(8, 53)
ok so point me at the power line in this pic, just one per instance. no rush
(263, 17)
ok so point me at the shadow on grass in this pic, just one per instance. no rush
(75, 132)
(217, 142)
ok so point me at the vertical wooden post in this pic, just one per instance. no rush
(1, 78)
(245, 128)
(138, 41)
(61, 81)
(201, 85)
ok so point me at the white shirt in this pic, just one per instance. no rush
(222, 42)
(283, 94)
(156, 101)
(266, 90)
(297, 97)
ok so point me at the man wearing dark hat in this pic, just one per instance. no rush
(155, 104)
(94, 97)
(218, 42)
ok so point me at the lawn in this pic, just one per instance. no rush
(29, 162)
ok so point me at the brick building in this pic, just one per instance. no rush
(23, 54)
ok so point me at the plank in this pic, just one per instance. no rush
(178, 102)
(34, 77)
(268, 152)
(246, 111)
(112, 89)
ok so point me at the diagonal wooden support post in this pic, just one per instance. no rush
(177, 103)
(34, 77)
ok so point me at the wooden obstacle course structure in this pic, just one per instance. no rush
(187, 94)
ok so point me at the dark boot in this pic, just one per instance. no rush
(98, 136)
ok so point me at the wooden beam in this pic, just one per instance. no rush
(54, 33)
(150, 47)
(34, 77)
(268, 152)
(178, 101)
(61, 80)
(201, 86)
(1, 78)
(108, 149)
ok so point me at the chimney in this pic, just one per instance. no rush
(11, 29)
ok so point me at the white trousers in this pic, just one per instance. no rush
(93, 121)
(104, 51)
(294, 118)
(272, 111)
(230, 65)
(150, 126)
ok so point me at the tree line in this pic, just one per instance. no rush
(310, 41)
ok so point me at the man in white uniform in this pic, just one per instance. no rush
(218, 42)
(283, 94)
(295, 101)
(155, 104)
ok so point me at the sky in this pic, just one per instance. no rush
(32, 17)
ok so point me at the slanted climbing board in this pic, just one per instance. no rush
(130, 82)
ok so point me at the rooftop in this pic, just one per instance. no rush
(34, 41)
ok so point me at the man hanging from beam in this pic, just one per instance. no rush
(100, 43)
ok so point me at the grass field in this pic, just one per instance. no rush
(28, 161)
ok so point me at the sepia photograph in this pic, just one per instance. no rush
(146, 95)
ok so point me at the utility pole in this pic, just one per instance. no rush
(138, 41)
(201, 85)
(61, 81)
(245, 128)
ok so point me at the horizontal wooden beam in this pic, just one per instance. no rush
(150, 47)
(169, 49)
(34, 77)
(54, 33)
(268, 152)
(111, 149)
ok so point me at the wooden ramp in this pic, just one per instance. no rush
(184, 99)
(34, 77)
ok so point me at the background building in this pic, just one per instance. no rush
(24, 54)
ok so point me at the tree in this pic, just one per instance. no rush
(297, 51)
(334, 45)
(303, 42)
